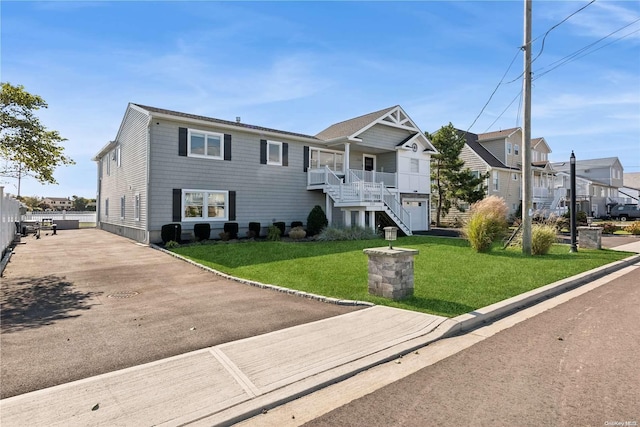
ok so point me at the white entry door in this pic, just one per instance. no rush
(418, 210)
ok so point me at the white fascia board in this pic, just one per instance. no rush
(276, 135)
(104, 150)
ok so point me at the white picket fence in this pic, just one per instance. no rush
(9, 214)
(58, 215)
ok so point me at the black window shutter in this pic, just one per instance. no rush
(232, 205)
(263, 151)
(182, 141)
(285, 154)
(177, 205)
(227, 146)
(306, 158)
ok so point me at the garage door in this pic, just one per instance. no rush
(418, 211)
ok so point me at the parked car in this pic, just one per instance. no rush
(625, 212)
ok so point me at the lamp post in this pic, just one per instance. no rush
(390, 234)
(572, 208)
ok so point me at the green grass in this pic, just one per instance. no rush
(450, 278)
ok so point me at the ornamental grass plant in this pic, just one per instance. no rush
(487, 223)
(543, 236)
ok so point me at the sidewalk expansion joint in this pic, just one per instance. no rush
(237, 374)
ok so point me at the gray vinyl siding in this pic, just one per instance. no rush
(386, 162)
(264, 193)
(126, 180)
(383, 137)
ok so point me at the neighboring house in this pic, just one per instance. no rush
(631, 188)
(499, 154)
(603, 178)
(58, 203)
(170, 167)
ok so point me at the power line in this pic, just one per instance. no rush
(556, 26)
(580, 53)
(519, 95)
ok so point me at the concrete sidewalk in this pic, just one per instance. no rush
(230, 382)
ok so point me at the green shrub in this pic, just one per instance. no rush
(273, 233)
(316, 221)
(281, 226)
(297, 233)
(171, 244)
(487, 223)
(633, 228)
(349, 233)
(543, 236)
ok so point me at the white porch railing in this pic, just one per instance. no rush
(541, 192)
(385, 178)
(9, 215)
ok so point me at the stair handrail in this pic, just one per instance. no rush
(395, 206)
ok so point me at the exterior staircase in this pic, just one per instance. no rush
(361, 193)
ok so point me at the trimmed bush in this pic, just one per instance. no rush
(202, 231)
(281, 226)
(297, 233)
(273, 233)
(170, 232)
(487, 223)
(350, 233)
(295, 224)
(316, 221)
(231, 228)
(543, 236)
(254, 229)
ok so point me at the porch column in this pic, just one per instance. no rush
(347, 152)
(361, 221)
(372, 220)
(347, 218)
(328, 208)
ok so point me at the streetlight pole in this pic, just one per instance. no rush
(572, 208)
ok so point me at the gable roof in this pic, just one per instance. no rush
(497, 134)
(240, 125)
(353, 126)
(537, 141)
(589, 163)
(483, 153)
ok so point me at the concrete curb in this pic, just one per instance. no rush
(302, 294)
(5, 260)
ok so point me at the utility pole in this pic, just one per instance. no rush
(527, 205)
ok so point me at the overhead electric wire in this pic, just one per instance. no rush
(519, 95)
(580, 53)
(556, 26)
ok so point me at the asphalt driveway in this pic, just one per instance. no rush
(86, 302)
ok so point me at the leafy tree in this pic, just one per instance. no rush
(26, 146)
(33, 202)
(452, 184)
(79, 203)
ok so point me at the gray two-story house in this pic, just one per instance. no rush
(171, 167)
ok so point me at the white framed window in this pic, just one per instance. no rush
(106, 207)
(122, 207)
(496, 181)
(334, 160)
(199, 205)
(136, 207)
(415, 166)
(118, 156)
(107, 160)
(207, 145)
(274, 153)
(516, 149)
(508, 148)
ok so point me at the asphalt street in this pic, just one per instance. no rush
(572, 365)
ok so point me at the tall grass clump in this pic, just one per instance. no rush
(543, 236)
(487, 223)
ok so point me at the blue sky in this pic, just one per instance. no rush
(302, 66)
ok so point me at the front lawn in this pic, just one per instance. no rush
(450, 278)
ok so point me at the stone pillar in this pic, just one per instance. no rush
(391, 272)
(590, 237)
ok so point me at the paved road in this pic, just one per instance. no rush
(574, 365)
(86, 302)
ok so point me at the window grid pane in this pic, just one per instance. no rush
(213, 146)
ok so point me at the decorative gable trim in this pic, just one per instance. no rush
(396, 117)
